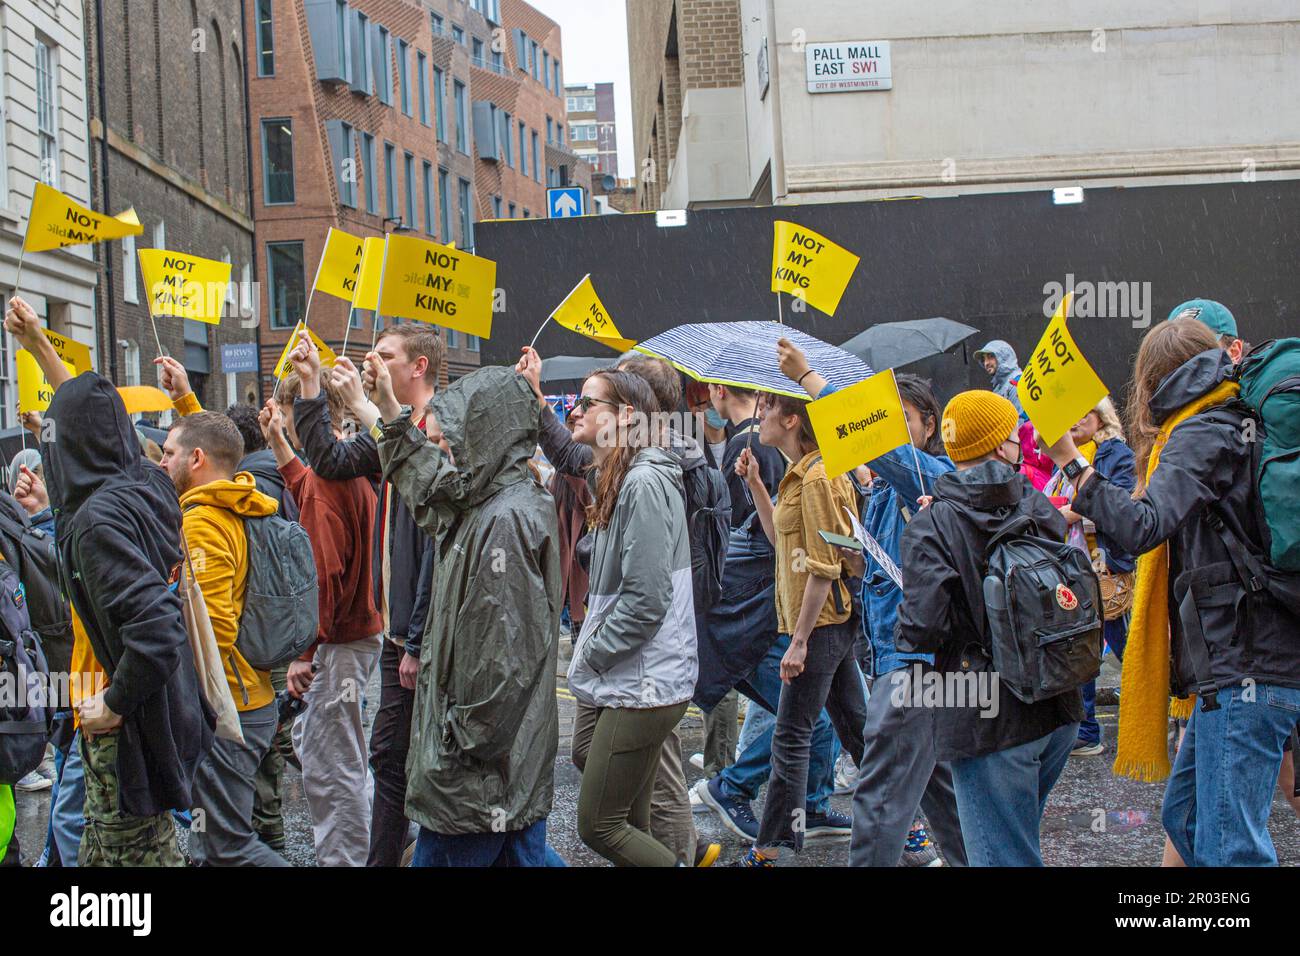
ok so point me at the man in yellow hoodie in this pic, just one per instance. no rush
(201, 454)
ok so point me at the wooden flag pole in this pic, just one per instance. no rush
(22, 251)
(347, 330)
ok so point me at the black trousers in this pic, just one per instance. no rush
(390, 739)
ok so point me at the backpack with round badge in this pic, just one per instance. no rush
(25, 711)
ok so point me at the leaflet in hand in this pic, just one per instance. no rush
(873, 548)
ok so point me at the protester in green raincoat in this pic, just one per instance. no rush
(485, 729)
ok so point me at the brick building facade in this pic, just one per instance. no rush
(169, 137)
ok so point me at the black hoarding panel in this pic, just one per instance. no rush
(986, 260)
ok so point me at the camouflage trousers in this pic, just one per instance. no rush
(112, 838)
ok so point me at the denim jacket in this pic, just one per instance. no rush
(896, 487)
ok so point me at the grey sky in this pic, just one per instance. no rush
(595, 51)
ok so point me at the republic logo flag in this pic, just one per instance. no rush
(428, 282)
(339, 271)
(860, 423)
(584, 313)
(1057, 386)
(186, 286)
(57, 221)
(810, 267)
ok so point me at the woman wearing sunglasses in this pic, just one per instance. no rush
(635, 660)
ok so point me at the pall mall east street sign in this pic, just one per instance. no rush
(849, 67)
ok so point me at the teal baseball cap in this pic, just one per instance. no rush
(1214, 314)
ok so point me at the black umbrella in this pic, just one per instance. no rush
(569, 368)
(895, 344)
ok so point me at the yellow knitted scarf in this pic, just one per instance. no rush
(1142, 752)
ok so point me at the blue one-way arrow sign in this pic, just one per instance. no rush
(566, 202)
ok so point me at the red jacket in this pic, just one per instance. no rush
(338, 516)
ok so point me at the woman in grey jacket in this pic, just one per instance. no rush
(635, 660)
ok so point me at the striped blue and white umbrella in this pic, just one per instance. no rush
(743, 354)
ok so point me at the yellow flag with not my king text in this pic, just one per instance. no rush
(340, 265)
(1057, 386)
(428, 282)
(584, 313)
(372, 270)
(56, 221)
(187, 286)
(810, 267)
(327, 355)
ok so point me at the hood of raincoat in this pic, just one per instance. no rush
(1198, 376)
(238, 494)
(1008, 363)
(491, 423)
(94, 444)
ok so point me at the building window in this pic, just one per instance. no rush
(534, 62)
(421, 85)
(409, 220)
(496, 207)
(527, 214)
(440, 103)
(444, 205)
(265, 39)
(390, 180)
(47, 112)
(344, 150)
(439, 25)
(427, 170)
(498, 63)
(550, 131)
(471, 343)
(546, 70)
(504, 130)
(478, 53)
(403, 80)
(466, 216)
(521, 49)
(130, 292)
(537, 169)
(453, 339)
(523, 148)
(368, 170)
(462, 118)
(458, 34)
(287, 284)
(277, 161)
(362, 70)
(513, 209)
(384, 66)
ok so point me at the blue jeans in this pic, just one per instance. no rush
(526, 847)
(1221, 790)
(743, 778)
(68, 804)
(1116, 633)
(1001, 796)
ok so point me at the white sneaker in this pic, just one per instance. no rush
(846, 775)
(697, 761)
(697, 805)
(34, 782)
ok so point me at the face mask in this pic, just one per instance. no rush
(713, 419)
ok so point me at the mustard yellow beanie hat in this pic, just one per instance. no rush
(975, 423)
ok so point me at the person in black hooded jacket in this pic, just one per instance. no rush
(1227, 631)
(1006, 755)
(118, 534)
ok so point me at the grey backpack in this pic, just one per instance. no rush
(281, 615)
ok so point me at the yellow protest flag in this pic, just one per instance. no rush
(429, 282)
(859, 424)
(584, 313)
(144, 398)
(71, 351)
(327, 354)
(1057, 386)
(810, 266)
(34, 391)
(183, 285)
(340, 265)
(56, 221)
(372, 268)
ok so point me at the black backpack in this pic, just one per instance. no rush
(33, 554)
(281, 610)
(25, 711)
(1043, 603)
(708, 525)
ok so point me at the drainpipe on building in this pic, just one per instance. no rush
(111, 341)
(778, 134)
(253, 299)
